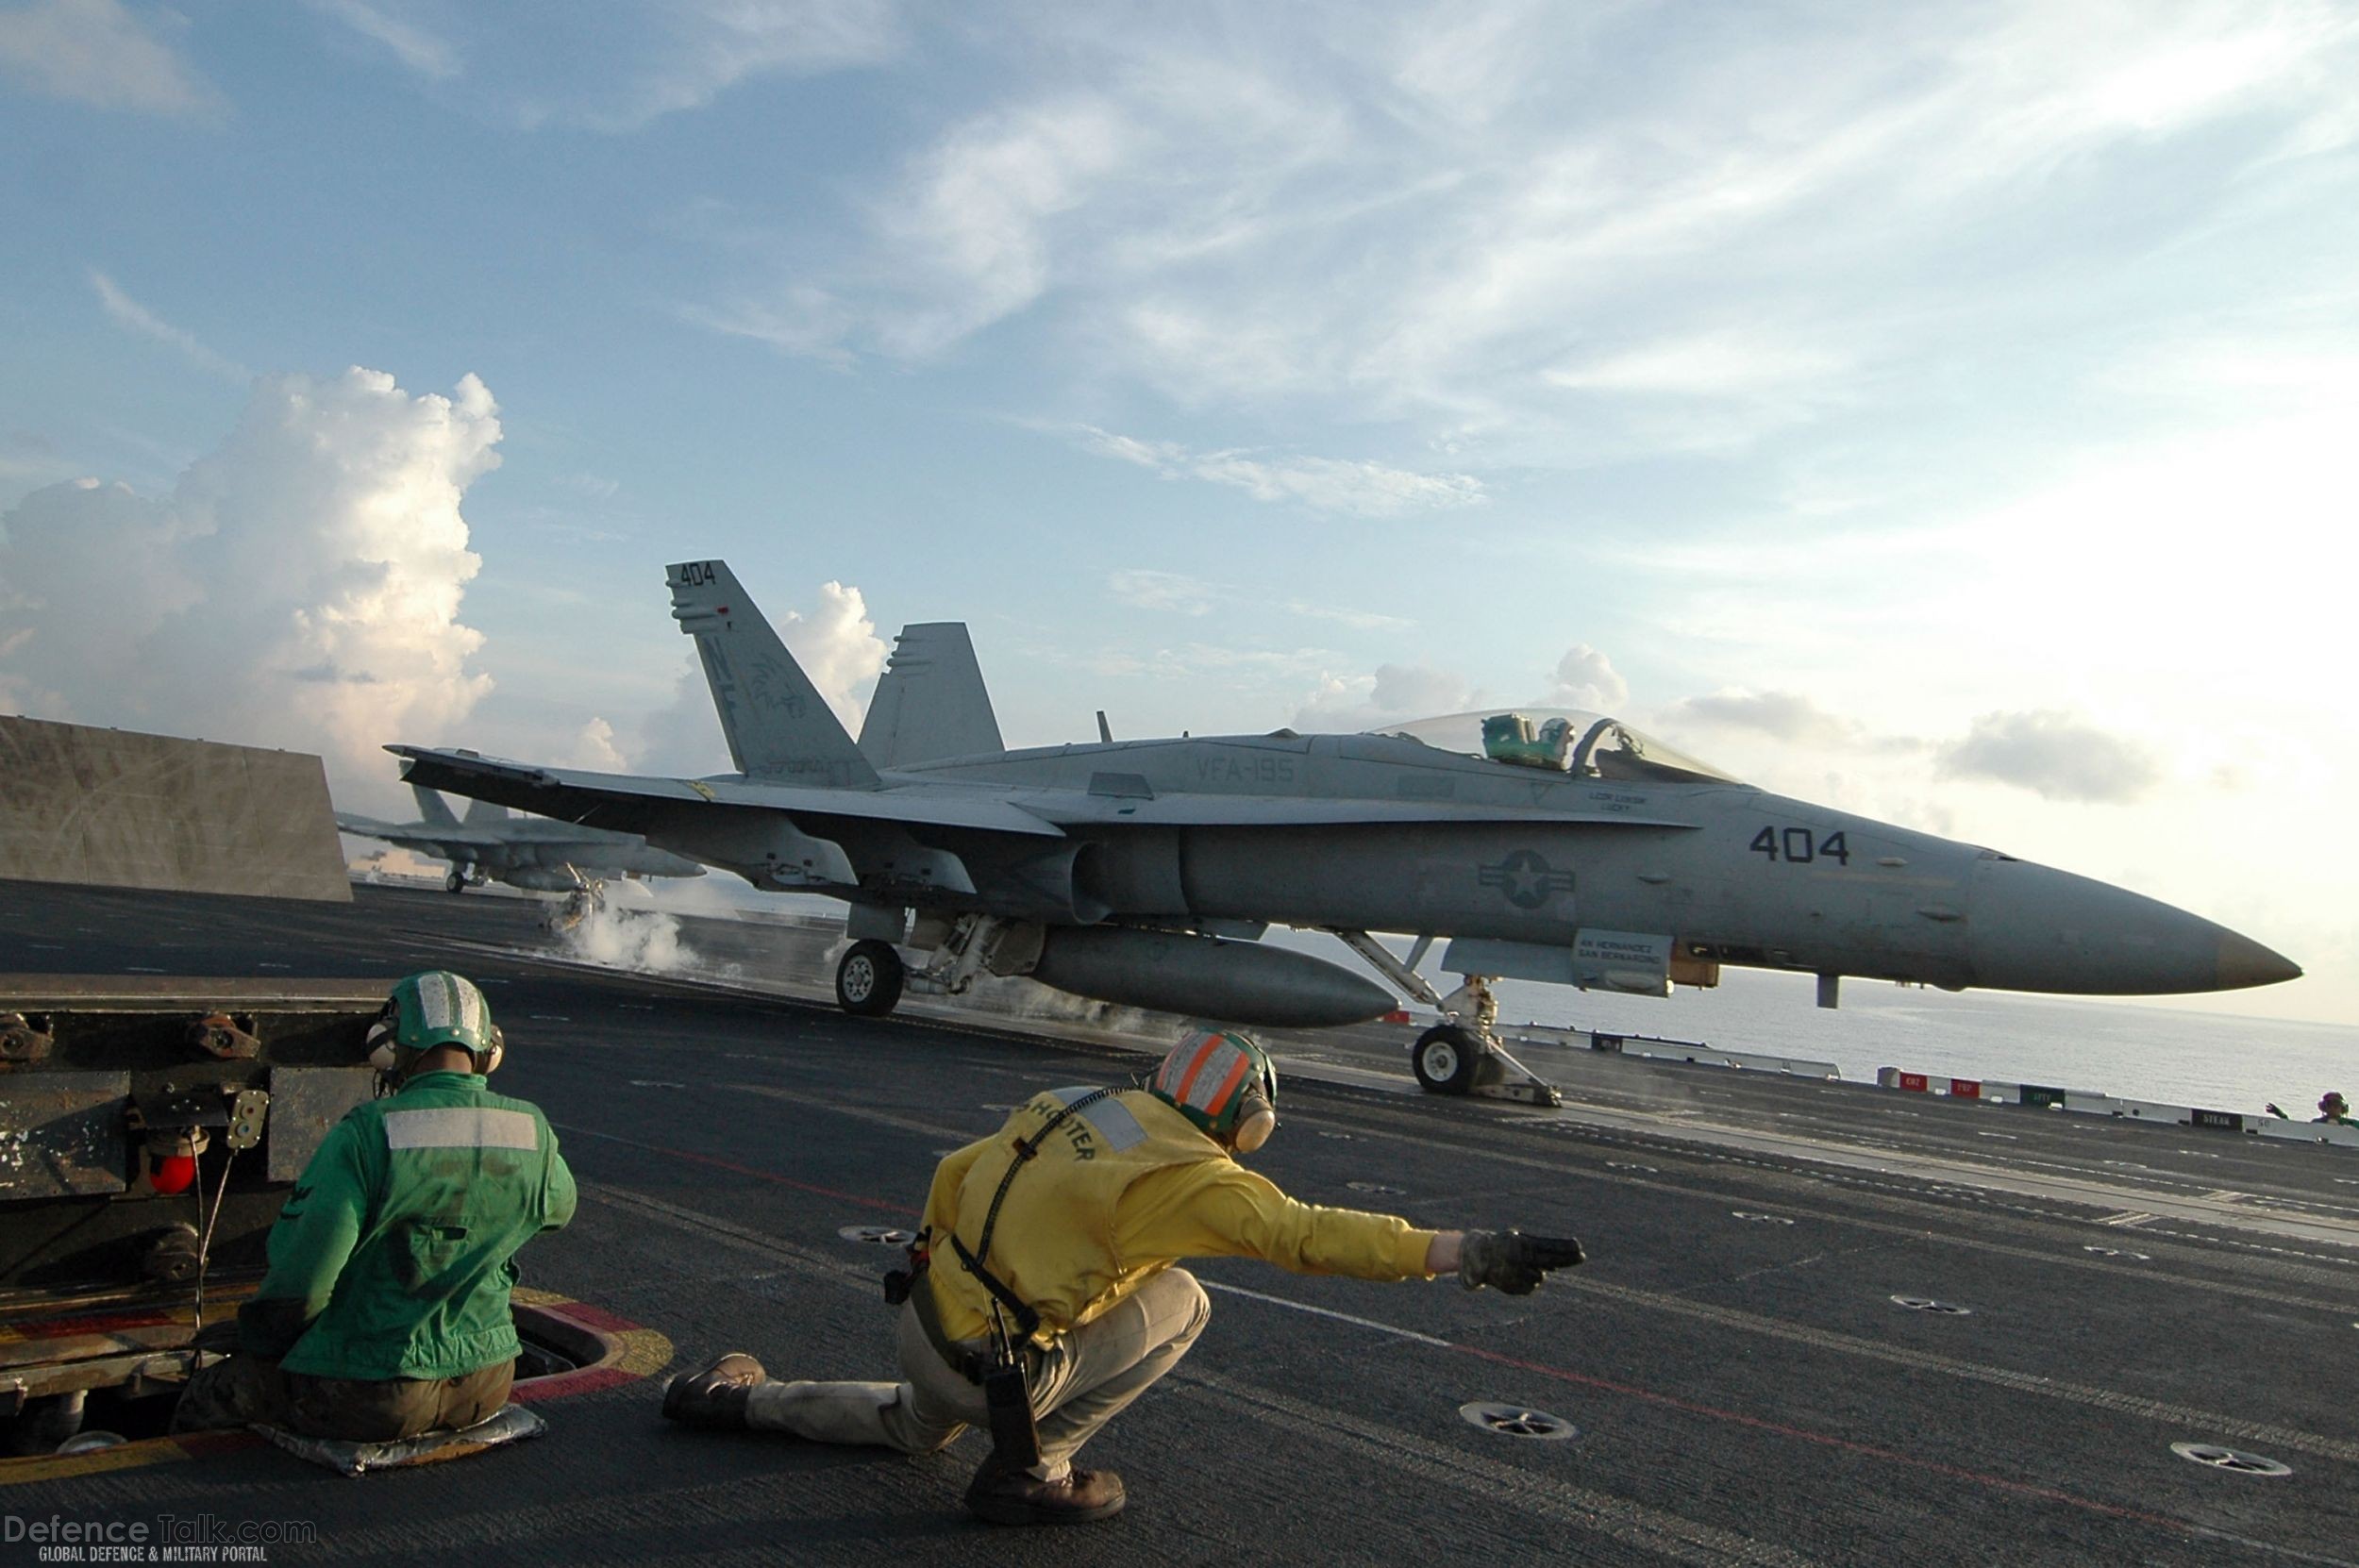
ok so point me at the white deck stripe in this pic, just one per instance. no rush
(1329, 1312)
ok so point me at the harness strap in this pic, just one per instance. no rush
(1025, 1148)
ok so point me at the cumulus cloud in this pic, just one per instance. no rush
(2056, 754)
(838, 647)
(95, 52)
(1324, 484)
(1586, 679)
(129, 312)
(594, 749)
(300, 587)
(1395, 692)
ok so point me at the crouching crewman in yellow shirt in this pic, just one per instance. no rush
(1051, 1246)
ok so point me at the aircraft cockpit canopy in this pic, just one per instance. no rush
(1561, 739)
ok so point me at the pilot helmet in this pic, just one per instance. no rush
(432, 1009)
(1221, 1081)
(2331, 1103)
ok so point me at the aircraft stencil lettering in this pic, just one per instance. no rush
(1143, 872)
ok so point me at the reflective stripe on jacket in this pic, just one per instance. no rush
(394, 1254)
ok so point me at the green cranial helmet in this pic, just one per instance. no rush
(1223, 1082)
(437, 1007)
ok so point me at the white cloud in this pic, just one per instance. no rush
(2055, 755)
(1162, 590)
(1714, 364)
(1324, 484)
(129, 312)
(594, 749)
(1358, 620)
(975, 227)
(838, 647)
(1395, 692)
(95, 52)
(299, 587)
(708, 46)
(1634, 236)
(1586, 679)
(1175, 593)
(418, 49)
(1782, 715)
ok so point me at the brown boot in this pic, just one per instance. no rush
(1015, 1498)
(716, 1396)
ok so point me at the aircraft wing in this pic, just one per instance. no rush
(626, 802)
(442, 846)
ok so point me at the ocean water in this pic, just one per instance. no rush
(2214, 1061)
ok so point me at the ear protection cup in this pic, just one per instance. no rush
(382, 1054)
(1255, 1122)
(488, 1062)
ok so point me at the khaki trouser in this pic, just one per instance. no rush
(246, 1390)
(1084, 1380)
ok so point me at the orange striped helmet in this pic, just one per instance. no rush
(1223, 1082)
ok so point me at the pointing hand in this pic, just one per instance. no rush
(1511, 1261)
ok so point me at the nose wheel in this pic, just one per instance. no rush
(868, 979)
(1445, 1058)
(1461, 1059)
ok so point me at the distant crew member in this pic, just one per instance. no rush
(2332, 1108)
(1049, 1246)
(385, 1311)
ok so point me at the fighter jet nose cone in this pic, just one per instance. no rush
(2245, 963)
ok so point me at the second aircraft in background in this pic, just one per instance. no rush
(532, 852)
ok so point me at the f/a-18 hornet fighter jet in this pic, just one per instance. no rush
(1542, 845)
(524, 852)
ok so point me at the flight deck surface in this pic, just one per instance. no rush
(1754, 1365)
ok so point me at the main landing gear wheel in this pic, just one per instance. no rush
(456, 881)
(1445, 1058)
(868, 979)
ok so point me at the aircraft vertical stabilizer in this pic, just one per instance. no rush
(776, 721)
(432, 808)
(930, 703)
(483, 813)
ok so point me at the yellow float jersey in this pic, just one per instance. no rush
(1122, 1189)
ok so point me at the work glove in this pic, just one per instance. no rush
(1511, 1261)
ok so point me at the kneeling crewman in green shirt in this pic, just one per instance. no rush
(385, 1311)
(1049, 1250)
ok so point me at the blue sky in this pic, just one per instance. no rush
(1941, 411)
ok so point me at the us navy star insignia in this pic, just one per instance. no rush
(1526, 879)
